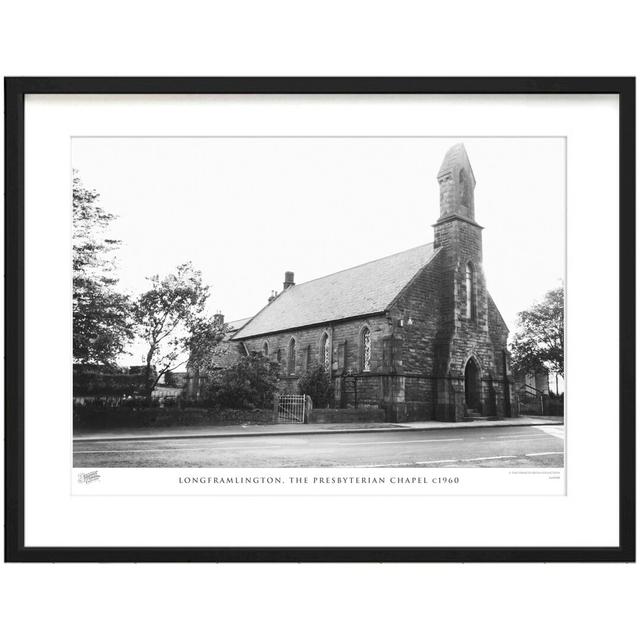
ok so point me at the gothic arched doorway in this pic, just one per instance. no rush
(472, 385)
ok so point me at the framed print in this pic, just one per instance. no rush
(320, 319)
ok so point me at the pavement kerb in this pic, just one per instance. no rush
(308, 432)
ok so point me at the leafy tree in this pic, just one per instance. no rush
(316, 382)
(170, 319)
(205, 334)
(248, 384)
(101, 323)
(539, 340)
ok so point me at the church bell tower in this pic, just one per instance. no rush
(463, 336)
(457, 184)
(456, 230)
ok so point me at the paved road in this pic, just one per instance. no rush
(468, 447)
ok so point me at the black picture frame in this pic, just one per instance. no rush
(15, 91)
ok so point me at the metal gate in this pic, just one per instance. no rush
(291, 408)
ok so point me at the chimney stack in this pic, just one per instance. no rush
(288, 280)
(273, 296)
(218, 317)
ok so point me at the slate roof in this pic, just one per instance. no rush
(234, 325)
(227, 353)
(365, 289)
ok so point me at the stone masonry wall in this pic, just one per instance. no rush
(462, 337)
(345, 341)
(499, 334)
(416, 316)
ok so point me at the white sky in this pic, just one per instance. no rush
(245, 210)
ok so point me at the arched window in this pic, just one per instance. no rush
(365, 349)
(279, 355)
(470, 284)
(291, 357)
(325, 351)
(265, 349)
(307, 357)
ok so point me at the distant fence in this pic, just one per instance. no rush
(99, 401)
(531, 401)
(129, 401)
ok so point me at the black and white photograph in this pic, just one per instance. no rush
(307, 302)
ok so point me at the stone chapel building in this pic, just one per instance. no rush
(415, 333)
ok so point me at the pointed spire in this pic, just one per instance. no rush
(457, 184)
(456, 158)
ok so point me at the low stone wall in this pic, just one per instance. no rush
(337, 416)
(418, 411)
(87, 418)
(408, 411)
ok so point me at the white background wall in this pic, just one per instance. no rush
(329, 38)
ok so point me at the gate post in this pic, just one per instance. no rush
(276, 402)
(308, 408)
